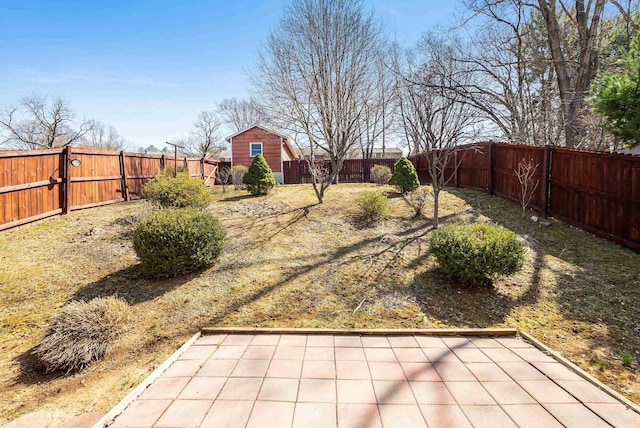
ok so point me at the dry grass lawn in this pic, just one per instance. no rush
(290, 263)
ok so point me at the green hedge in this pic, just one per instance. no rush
(405, 177)
(179, 191)
(177, 241)
(475, 253)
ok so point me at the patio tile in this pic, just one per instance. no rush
(420, 371)
(401, 416)
(318, 370)
(319, 340)
(228, 414)
(202, 388)
(210, 339)
(402, 342)
(293, 340)
(266, 339)
(432, 393)
(258, 352)
(375, 342)
(450, 371)
(285, 369)
(531, 416)
(488, 417)
(513, 342)
(486, 342)
(317, 391)
(380, 354)
(440, 355)
(575, 415)
(271, 414)
(182, 368)
(165, 388)
(557, 371)
(488, 372)
(347, 341)
(522, 371)
(501, 355)
(386, 371)
(393, 392)
(617, 414)
(469, 394)
(356, 391)
(410, 355)
(251, 368)
(241, 388)
(532, 355)
(429, 341)
(289, 352)
(545, 391)
(141, 413)
(311, 415)
(319, 353)
(508, 393)
(471, 355)
(350, 354)
(229, 352)
(276, 389)
(238, 339)
(457, 342)
(444, 416)
(217, 368)
(586, 392)
(358, 416)
(185, 413)
(198, 352)
(352, 370)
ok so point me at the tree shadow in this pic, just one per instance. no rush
(239, 198)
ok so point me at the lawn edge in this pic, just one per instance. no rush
(580, 372)
(107, 419)
(366, 331)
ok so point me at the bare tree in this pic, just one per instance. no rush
(526, 172)
(434, 113)
(241, 114)
(224, 177)
(315, 75)
(100, 136)
(37, 123)
(204, 138)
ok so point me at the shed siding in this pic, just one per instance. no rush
(241, 145)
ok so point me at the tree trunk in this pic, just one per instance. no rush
(436, 205)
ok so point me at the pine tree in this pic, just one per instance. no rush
(259, 178)
(405, 177)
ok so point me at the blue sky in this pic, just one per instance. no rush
(149, 67)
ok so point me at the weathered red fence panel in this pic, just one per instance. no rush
(506, 158)
(353, 170)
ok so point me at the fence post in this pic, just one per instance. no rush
(455, 165)
(162, 162)
(299, 171)
(123, 172)
(66, 206)
(202, 168)
(546, 181)
(490, 170)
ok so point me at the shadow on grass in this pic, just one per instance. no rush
(239, 198)
(33, 372)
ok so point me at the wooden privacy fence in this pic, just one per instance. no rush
(597, 192)
(353, 170)
(41, 183)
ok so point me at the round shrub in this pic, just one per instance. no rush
(177, 241)
(474, 253)
(179, 191)
(371, 207)
(405, 177)
(259, 178)
(380, 174)
(80, 333)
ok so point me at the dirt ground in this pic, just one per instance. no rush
(289, 262)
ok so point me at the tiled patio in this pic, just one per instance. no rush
(292, 380)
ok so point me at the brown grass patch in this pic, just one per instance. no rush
(289, 262)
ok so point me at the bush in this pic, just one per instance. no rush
(380, 174)
(474, 253)
(177, 241)
(371, 207)
(237, 173)
(179, 191)
(405, 177)
(259, 178)
(80, 333)
(419, 198)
